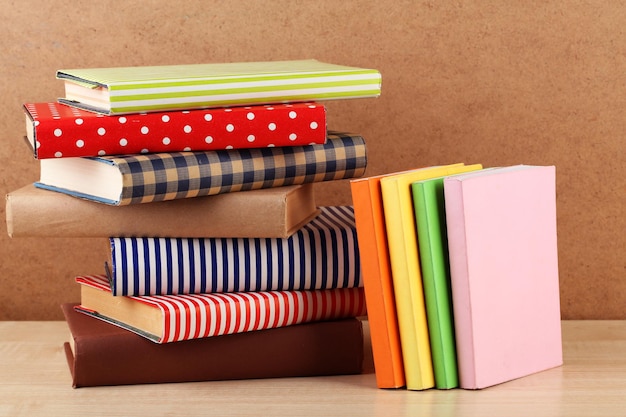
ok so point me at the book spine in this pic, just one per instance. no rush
(196, 316)
(168, 176)
(431, 237)
(320, 255)
(234, 91)
(460, 286)
(408, 291)
(65, 131)
(33, 212)
(378, 287)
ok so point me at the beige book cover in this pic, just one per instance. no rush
(270, 212)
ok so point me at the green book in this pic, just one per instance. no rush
(433, 253)
(173, 87)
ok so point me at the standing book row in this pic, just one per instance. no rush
(200, 180)
(460, 274)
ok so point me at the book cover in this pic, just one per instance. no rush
(100, 354)
(406, 277)
(322, 254)
(433, 254)
(55, 130)
(502, 241)
(153, 88)
(377, 283)
(173, 318)
(134, 179)
(270, 212)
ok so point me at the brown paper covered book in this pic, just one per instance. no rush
(271, 212)
(103, 354)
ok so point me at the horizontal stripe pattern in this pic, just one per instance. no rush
(204, 315)
(235, 100)
(322, 254)
(135, 89)
(174, 175)
(194, 73)
(202, 97)
(119, 92)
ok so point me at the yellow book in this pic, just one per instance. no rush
(405, 269)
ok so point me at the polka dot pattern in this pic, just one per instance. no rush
(65, 131)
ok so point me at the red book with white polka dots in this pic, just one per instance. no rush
(55, 130)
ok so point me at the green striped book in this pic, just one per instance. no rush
(126, 90)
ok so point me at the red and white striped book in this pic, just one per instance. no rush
(172, 318)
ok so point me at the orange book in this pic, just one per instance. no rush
(378, 286)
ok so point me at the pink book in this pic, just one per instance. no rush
(502, 238)
(172, 318)
(56, 130)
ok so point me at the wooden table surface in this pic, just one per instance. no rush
(35, 381)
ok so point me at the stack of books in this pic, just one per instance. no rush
(460, 273)
(218, 264)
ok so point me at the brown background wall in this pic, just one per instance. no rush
(497, 83)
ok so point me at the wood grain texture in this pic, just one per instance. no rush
(36, 382)
(495, 83)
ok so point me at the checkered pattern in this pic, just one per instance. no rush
(169, 176)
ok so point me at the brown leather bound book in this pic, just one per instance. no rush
(103, 354)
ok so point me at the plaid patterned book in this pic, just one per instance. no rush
(172, 318)
(134, 179)
(322, 254)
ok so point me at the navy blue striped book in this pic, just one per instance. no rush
(323, 254)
